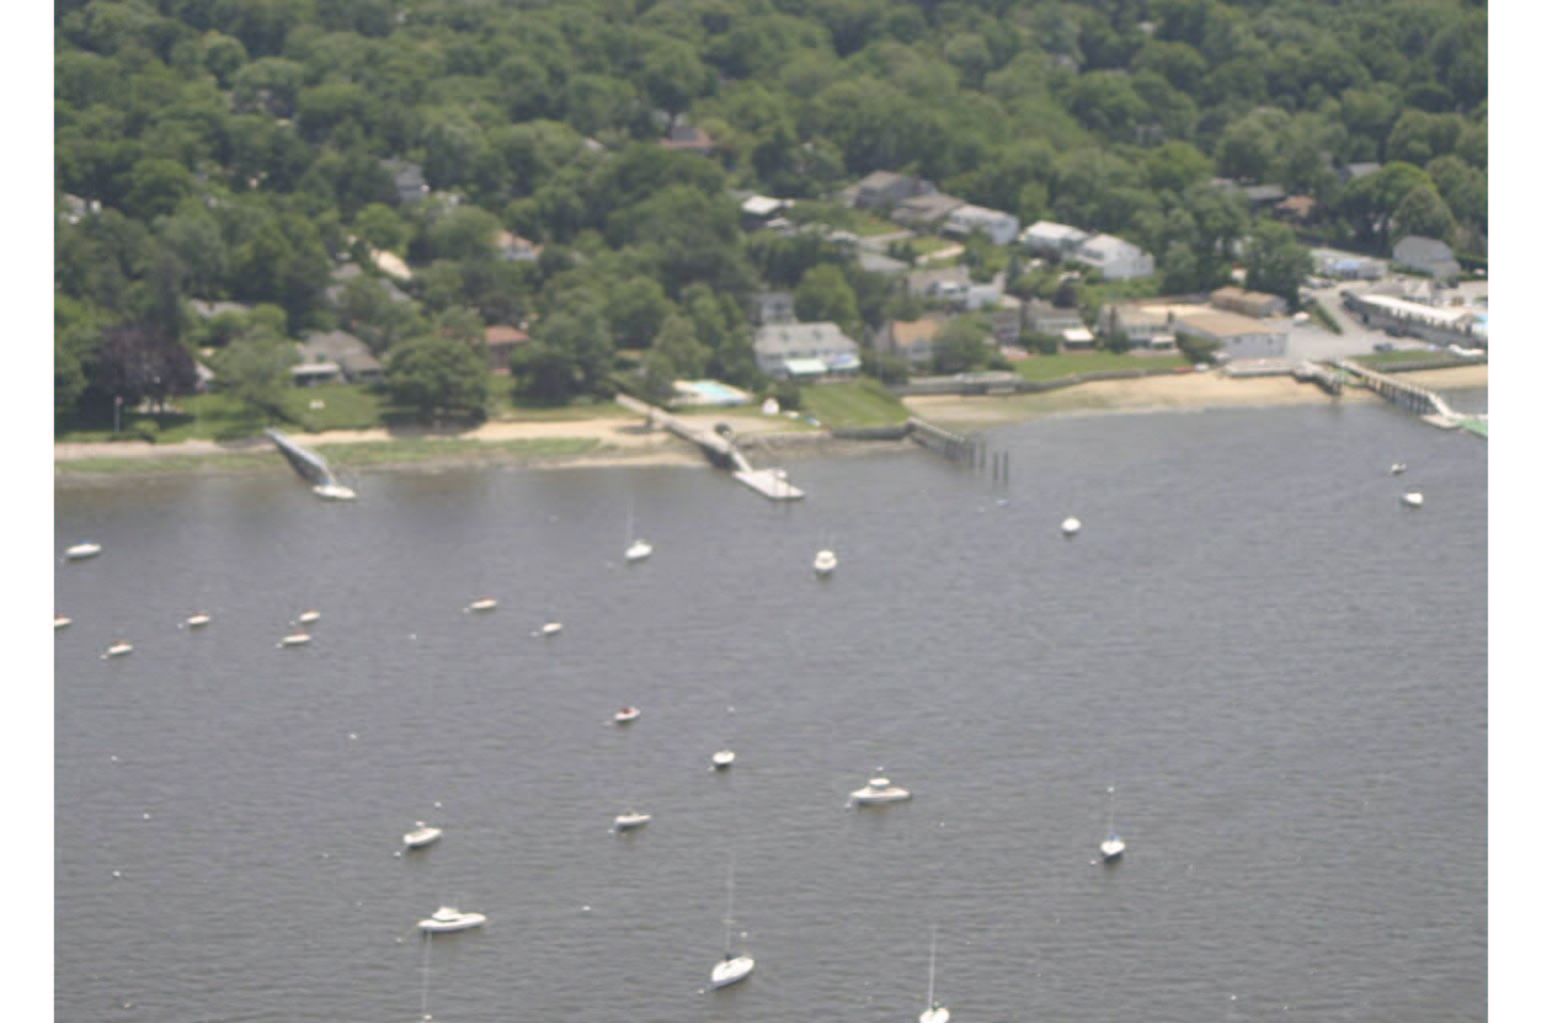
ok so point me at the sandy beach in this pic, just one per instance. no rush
(627, 440)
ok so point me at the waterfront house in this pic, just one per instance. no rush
(912, 339)
(352, 357)
(786, 350)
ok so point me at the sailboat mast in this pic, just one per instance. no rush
(728, 917)
(931, 974)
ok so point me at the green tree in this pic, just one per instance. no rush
(1275, 262)
(254, 370)
(1423, 212)
(960, 346)
(438, 376)
(824, 296)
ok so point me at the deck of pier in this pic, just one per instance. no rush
(720, 450)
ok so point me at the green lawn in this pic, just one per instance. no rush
(856, 404)
(1053, 367)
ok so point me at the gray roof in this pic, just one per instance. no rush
(781, 338)
(1417, 247)
(342, 348)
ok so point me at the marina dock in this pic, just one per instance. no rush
(720, 450)
(1422, 401)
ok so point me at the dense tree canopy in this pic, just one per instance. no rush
(242, 150)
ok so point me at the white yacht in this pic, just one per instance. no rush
(632, 819)
(295, 639)
(307, 617)
(935, 1012)
(1071, 526)
(825, 562)
(879, 790)
(82, 551)
(421, 835)
(333, 492)
(731, 968)
(198, 621)
(1413, 499)
(626, 715)
(118, 649)
(637, 550)
(551, 628)
(60, 621)
(483, 604)
(723, 759)
(448, 918)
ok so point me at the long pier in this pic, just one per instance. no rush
(1422, 401)
(720, 451)
(311, 466)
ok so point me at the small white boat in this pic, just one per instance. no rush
(307, 617)
(484, 604)
(935, 1012)
(333, 492)
(879, 790)
(82, 551)
(198, 621)
(1112, 848)
(448, 918)
(1071, 526)
(421, 835)
(825, 562)
(632, 819)
(1397, 469)
(551, 628)
(626, 715)
(731, 968)
(60, 621)
(637, 550)
(118, 649)
(723, 759)
(1413, 499)
(295, 639)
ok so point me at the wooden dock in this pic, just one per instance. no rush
(720, 451)
(1428, 405)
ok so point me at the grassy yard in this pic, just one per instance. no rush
(1380, 359)
(1052, 367)
(856, 404)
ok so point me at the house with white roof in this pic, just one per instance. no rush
(999, 227)
(1046, 238)
(807, 350)
(1115, 258)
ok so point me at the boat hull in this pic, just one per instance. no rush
(732, 971)
(465, 923)
(935, 1015)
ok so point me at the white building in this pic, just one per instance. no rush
(807, 349)
(1046, 238)
(999, 227)
(1115, 258)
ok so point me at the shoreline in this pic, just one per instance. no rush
(611, 441)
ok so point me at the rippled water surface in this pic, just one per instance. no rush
(1280, 668)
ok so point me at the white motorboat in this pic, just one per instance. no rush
(81, 551)
(448, 918)
(60, 621)
(1397, 469)
(421, 835)
(731, 968)
(637, 550)
(551, 628)
(825, 562)
(632, 819)
(307, 617)
(483, 604)
(118, 649)
(935, 1012)
(1413, 499)
(626, 715)
(879, 790)
(295, 639)
(723, 759)
(1071, 526)
(198, 621)
(333, 492)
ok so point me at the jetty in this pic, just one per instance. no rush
(720, 450)
(1422, 401)
(311, 466)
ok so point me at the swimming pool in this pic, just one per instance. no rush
(712, 392)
